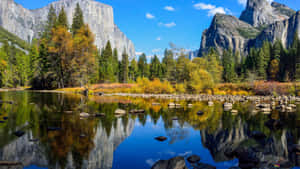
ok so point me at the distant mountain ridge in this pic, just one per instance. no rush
(260, 21)
(27, 24)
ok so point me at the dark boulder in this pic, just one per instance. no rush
(161, 138)
(19, 133)
(200, 113)
(174, 163)
(193, 159)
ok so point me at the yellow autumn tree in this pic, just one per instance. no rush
(60, 51)
(201, 81)
(84, 61)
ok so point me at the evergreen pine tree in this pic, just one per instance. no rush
(155, 68)
(115, 64)
(133, 70)
(62, 19)
(78, 21)
(168, 64)
(124, 67)
(229, 74)
(50, 24)
(143, 69)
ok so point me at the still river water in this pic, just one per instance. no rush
(55, 136)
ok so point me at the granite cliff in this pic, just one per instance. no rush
(260, 21)
(27, 24)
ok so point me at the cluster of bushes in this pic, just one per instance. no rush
(276, 88)
(204, 86)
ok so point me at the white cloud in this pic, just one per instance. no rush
(149, 16)
(212, 9)
(158, 38)
(138, 53)
(169, 8)
(168, 25)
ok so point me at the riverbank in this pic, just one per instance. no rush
(235, 89)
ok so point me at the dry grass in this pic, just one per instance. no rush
(256, 88)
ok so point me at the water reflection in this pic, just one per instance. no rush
(56, 136)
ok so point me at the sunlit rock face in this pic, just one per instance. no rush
(27, 24)
(262, 12)
(101, 156)
(260, 21)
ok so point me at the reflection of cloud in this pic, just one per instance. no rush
(185, 153)
(151, 162)
(167, 153)
(177, 134)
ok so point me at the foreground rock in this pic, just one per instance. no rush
(174, 163)
(193, 159)
(161, 138)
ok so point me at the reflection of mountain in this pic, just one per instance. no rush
(223, 139)
(278, 147)
(101, 157)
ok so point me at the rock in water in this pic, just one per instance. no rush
(27, 24)
(174, 163)
(193, 159)
(120, 112)
(85, 115)
(19, 133)
(200, 113)
(161, 138)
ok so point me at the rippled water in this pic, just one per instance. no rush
(55, 136)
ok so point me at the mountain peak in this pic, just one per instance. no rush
(262, 12)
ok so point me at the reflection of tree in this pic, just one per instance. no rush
(74, 136)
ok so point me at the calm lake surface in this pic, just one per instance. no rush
(55, 136)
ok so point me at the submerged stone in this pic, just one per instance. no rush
(19, 133)
(174, 163)
(193, 159)
(200, 113)
(161, 138)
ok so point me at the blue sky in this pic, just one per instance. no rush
(153, 24)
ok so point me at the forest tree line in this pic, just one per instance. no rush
(65, 56)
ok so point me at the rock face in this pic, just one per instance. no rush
(261, 12)
(260, 21)
(283, 30)
(227, 32)
(27, 24)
